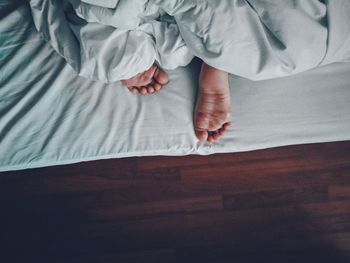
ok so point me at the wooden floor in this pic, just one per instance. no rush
(289, 204)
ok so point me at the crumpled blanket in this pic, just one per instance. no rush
(110, 40)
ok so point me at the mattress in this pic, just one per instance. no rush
(51, 116)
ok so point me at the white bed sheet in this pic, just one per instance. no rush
(50, 116)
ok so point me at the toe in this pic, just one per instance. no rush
(143, 90)
(224, 129)
(222, 132)
(161, 77)
(157, 86)
(130, 89)
(134, 90)
(150, 89)
(210, 138)
(202, 135)
(216, 135)
(227, 125)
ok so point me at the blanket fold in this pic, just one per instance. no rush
(255, 39)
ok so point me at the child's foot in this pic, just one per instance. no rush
(148, 82)
(213, 108)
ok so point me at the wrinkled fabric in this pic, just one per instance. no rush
(255, 39)
(102, 3)
(50, 116)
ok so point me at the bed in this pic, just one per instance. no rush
(51, 116)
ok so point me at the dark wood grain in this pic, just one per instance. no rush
(288, 204)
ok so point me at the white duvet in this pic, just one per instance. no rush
(256, 39)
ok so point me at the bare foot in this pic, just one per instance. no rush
(148, 82)
(213, 107)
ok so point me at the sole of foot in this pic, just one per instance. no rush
(213, 107)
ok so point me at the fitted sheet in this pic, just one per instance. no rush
(51, 116)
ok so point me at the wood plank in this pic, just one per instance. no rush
(156, 208)
(339, 192)
(288, 204)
